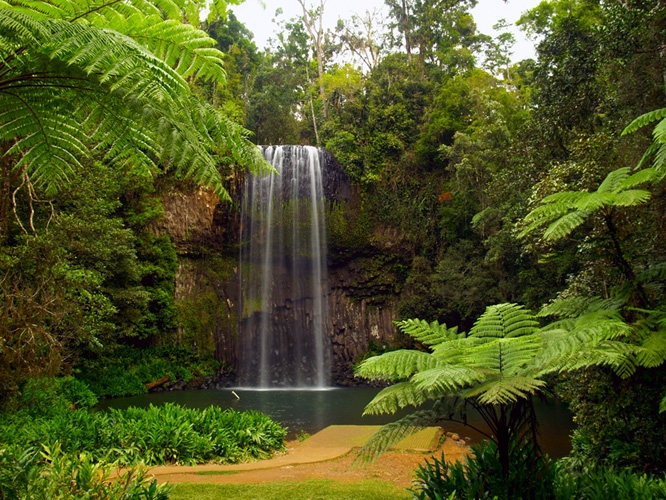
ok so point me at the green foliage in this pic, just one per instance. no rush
(565, 211)
(149, 114)
(129, 369)
(50, 473)
(155, 435)
(624, 431)
(480, 475)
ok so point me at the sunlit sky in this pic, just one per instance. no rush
(257, 15)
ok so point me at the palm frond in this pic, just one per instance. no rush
(644, 120)
(391, 434)
(396, 365)
(427, 333)
(394, 397)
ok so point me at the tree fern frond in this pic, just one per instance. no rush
(394, 397)
(613, 180)
(654, 272)
(565, 225)
(396, 365)
(631, 198)
(504, 355)
(505, 390)
(652, 351)
(391, 434)
(445, 380)
(638, 178)
(574, 307)
(504, 320)
(550, 211)
(659, 162)
(594, 201)
(427, 333)
(644, 120)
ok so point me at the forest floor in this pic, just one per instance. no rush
(328, 454)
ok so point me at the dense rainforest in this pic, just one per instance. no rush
(498, 181)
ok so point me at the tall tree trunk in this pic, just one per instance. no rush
(314, 23)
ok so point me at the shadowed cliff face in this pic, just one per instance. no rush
(360, 293)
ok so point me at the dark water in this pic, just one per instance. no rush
(312, 410)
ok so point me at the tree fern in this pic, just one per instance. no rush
(427, 333)
(393, 433)
(395, 397)
(124, 65)
(396, 365)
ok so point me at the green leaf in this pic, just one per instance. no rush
(644, 120)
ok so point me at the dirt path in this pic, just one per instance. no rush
(312, 459)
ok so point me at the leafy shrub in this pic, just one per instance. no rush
(603, 484)
(480, 476)
(155, 435)
(26, 473)
(127, 372)
(46, 396)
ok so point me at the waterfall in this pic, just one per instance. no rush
(282, 342)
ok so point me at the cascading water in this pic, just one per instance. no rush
(283, 273)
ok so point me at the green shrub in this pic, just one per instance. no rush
(127, 372)
(51, 474)
(604, 484)
(155, 435)
(480, 476)
(47, 396)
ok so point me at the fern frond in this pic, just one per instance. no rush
(565, 225)
(662, 405)
(631, 198)
(594, 201)
(644, 120)
(427, 333)
(396, 365)
(659, 162)
(394, 397)
(504, 355)
(391, 434)
(505, 390)
(654, 272)
(504, 320)
(638, 178)
(447, 380)
(652, 351)
(613, 180)
(574, 307)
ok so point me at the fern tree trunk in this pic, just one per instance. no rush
(5, 191)
(623, 264)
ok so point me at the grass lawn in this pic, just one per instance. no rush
(320, 489)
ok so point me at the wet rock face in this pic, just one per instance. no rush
(360, 295)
